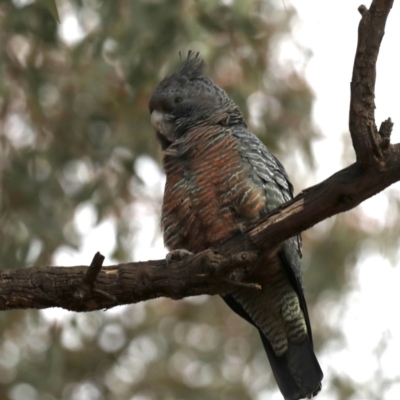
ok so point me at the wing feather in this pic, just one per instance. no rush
(278, 190)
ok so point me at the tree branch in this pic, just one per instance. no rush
(219, 270)
(364, 134)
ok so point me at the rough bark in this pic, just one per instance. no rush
(218, 270)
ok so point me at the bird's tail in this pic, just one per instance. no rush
(296, 371)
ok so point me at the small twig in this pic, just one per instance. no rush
(91, 275)
(385, 132)
(85, 289)
(362, 9)
(94, 269)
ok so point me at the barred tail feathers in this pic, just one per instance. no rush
(297, 371)
(279, 313)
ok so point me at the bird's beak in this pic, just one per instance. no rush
(163, 127)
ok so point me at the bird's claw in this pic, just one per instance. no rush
(177, 255)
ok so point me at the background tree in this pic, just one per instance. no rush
(76, 134)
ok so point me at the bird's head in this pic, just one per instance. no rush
(187, 99)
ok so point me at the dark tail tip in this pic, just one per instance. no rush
(297, 372)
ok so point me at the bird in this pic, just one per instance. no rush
(220, 180)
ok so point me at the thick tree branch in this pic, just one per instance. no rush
(219, 270)
(364, 133)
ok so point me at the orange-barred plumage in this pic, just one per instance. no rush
(208, 194)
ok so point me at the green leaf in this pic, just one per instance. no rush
(52, 7)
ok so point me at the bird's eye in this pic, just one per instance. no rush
(178, 99)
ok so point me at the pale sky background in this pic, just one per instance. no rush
(370, 312)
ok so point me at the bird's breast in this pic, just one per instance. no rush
(209, 195)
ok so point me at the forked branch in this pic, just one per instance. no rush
(219, 270)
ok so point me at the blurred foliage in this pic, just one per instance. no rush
(52, 7)
(73, 125)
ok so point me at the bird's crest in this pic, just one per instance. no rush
(193, 66)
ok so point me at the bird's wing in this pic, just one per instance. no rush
(297, 371)
(266, 170)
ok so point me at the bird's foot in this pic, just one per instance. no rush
(177, 255)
